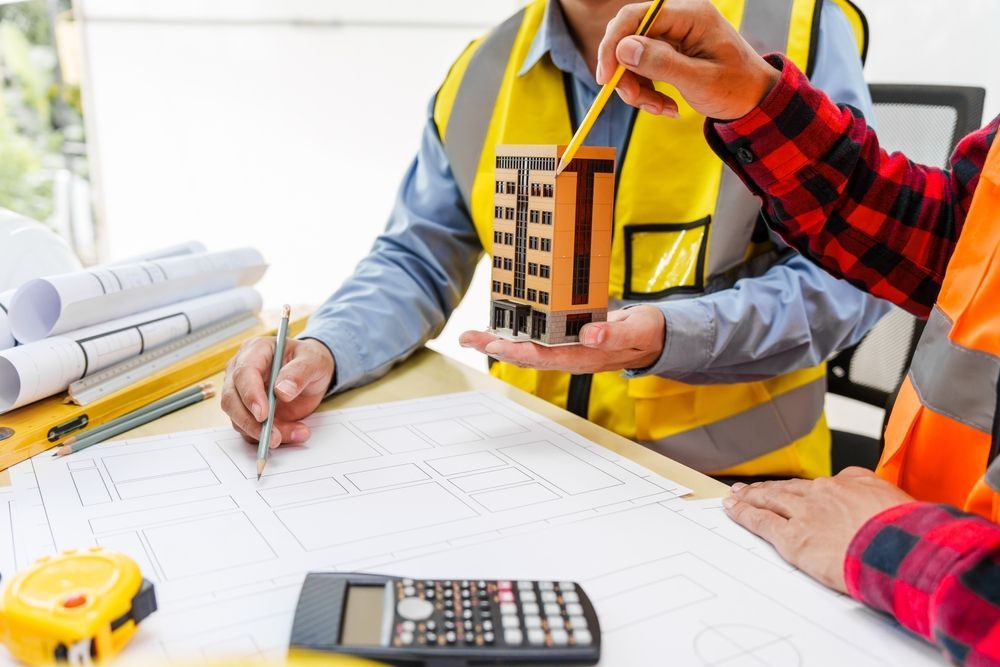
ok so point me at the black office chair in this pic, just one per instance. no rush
(926, 123)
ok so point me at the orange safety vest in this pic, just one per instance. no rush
(944, 434)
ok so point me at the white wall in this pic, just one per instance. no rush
(286, 124)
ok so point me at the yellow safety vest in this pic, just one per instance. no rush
(683, 227)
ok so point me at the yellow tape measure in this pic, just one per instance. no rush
(78, 607)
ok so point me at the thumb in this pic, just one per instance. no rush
(295, 377)
(658, 61)
(610, 336)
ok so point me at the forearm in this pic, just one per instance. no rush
(898, 242)
(792, 317)
(935, 570)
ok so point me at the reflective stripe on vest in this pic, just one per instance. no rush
(943, 436)
(971, 396)
(754, 428)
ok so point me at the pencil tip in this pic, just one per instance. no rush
(562, 165)
(260, 467)
(286, 310)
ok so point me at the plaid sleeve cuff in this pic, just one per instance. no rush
(793, 127)
(935, 569)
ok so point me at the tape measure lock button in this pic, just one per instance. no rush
(75, 600)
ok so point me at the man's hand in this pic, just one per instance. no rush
(305, 377)
(811, 523)
(692, 47)
(630, 338)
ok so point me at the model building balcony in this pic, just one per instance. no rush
(551, 242)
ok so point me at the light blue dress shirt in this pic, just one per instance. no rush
(793, 316)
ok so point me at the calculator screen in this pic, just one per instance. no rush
(362, 624)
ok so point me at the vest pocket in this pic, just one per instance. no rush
(665, 258)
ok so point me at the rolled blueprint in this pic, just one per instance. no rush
(178, 250)
(41, 369)
(6, 337)
(57, 304)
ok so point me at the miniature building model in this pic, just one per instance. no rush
(551, 242)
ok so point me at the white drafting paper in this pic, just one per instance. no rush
(37, 370)
(8, 556)
(50, 306)
(6, 337)
(458, 486)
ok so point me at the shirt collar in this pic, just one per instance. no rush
(553, 37)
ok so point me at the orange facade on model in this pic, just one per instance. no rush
(551, 242)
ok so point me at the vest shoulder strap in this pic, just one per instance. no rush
(464, 105)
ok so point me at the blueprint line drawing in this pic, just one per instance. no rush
(466, 486)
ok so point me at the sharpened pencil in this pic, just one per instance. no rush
(602, 97)
(272, 402)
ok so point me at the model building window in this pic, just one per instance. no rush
(511, 187)
(533, 242)
(498, 212)
(508, 238)
(506, 289)
(546, 217)
(508, 264)
(497, 237)
(497, 261)
(536, 190)
(543, 271)
(543, 298)
(499, 188)
(547, 190)
(575, 322)
(534, 216)
(547, 245)
(509, 213)
(496, 286)
(532, 269)
(532, 295)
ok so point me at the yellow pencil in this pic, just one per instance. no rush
(602, 97)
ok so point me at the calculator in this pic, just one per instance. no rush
(445, 621)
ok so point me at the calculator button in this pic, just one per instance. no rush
(448, 593)
(566, 586)
(407, 582)
(528, 596)
(431, 625)
(414, 609)
(510, 621)
(449, 625)
(504, 585)
(506, 596)
(449, 614)
(578, 623)
(532, 622)
(546, 586)
(466, 604)
(409, 591)
(408, 626)
(406, 637)
(484, 607)
(489, 637)
(431, 637)
(467, 614)
(552, 609)
(559, 637)
(508, 608)
(450, 637)
(574, 609)
(582, 637)
(429, 593)
(487, 626)
(525, 586)
(513, 636)
(570, 597)
(549, 596)
(536, 637)
(467, 626)
(529, 608)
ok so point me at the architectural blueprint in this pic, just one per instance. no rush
(458, 486)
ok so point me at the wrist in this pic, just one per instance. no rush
(763, 80)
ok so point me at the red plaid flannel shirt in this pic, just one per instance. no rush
(889, 227)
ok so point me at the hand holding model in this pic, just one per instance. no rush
(305, 377)
(691, 46)
(631, 338)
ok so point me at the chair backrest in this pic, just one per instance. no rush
(926, 123)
